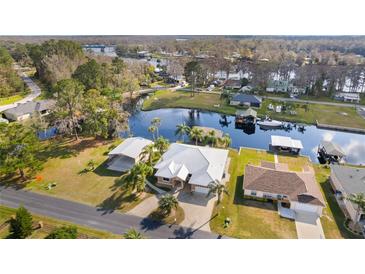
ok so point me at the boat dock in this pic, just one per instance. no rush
(340, 128)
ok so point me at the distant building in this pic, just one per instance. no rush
(278, 86)
(352, 97)
(28, 109)
(346, 181)
(233, 84)
(246, 100)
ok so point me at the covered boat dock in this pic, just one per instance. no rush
(330, 152)
(247, 116)
(285, 144)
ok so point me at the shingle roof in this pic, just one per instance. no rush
(352, 179)
(30, 107)
(297, 186)
(205, 164)
(247, 98)
(131, 147)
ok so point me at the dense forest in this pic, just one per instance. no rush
(10, 83)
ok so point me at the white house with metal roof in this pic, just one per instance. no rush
(127, 154)
(191, 167)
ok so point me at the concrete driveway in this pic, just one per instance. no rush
(308, 225)
(198, 210)
(144, 208)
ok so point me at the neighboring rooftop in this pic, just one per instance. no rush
(283, 141)
(246, 113)
(131, 147)
(30, 107)
(332, 148)
(247, 98)
(298, 186)
(205, 164)
(352, 179)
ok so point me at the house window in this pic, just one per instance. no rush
(253, 193)
(165, 179)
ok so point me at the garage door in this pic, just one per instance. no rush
(201, 189)
(305, 207)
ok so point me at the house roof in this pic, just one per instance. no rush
(332, 148)
(298, 186)
(247, 98)
(205, 164)
(283, 141)
(131, 147)
(352, 179)
(233, 82)
(246, 113)
(30, 107)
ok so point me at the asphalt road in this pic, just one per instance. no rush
(85, 215)
(35, 90)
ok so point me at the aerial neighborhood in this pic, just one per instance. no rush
(175, 137)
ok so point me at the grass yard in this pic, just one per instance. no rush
(65, 163)
(332, 115)
(249, 218)
(11, 99)
(49, 225)
(183, 99)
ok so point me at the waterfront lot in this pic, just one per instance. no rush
(255, 219)
(65, 163)
(48, 225)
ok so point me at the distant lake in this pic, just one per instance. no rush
(353, 144)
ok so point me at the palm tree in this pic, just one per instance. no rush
(218, 188)
(133, 234)
(226, 140)
(182, 130)
(359, 200)
(135, 179)
(152, 130)
(156, 122)
(161, 144)
(167, 203)
(196, 134)
(212, 138)
(148, 152)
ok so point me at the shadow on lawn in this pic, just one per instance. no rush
(118, 201)
(102, 170)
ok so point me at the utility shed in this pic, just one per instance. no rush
(286, 144)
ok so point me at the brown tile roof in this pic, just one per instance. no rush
(297, 186)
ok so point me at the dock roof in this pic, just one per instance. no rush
(332, 148)
(283, 141)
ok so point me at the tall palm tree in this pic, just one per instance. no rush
(150, 153)
(359, 200)
(225, 140)
(212, 139)
(133, 234)
(196, 134)
(152, 130)
(218, 188)
(135, 179)
(182, 130)
(167, 203)
(156, 122)
(161, 144)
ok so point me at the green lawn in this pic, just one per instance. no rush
(250, 219)
(49, 225)
(11, 99)
(183, 99)
(65, 163)
(333, 115)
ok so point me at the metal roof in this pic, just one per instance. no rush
(131, 147)
(332, 148)
(283, 141)
(246, 113)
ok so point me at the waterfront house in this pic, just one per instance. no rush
(127, 154)
(245, 117)
(285, 144)
(246, 100)
(191, 168)
(330, 152)
(277, 86)
(351, 97)
(28, 109)
(233, 84)
(345, 181)
(295, 192)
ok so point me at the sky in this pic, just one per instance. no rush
(195, 17)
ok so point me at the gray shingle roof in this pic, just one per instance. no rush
(352, 179)
(30, 107)
(247, 98)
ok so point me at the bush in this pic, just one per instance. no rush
(64, 232)
(21, 226)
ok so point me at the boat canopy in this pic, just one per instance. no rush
(283, 141)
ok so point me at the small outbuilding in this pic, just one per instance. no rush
(246, 100)
(247, 116)
(285, 144)
(330, 152)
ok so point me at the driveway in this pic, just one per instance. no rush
(144, 208)
(308, 225)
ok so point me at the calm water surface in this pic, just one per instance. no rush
(353, 144)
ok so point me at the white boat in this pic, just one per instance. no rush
(270, 124)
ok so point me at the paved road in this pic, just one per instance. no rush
(35, 90)
(285, 99)
(89, 216)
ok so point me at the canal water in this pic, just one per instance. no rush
(353, 144)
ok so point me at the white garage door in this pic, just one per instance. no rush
(305, 207)
(202, 189)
